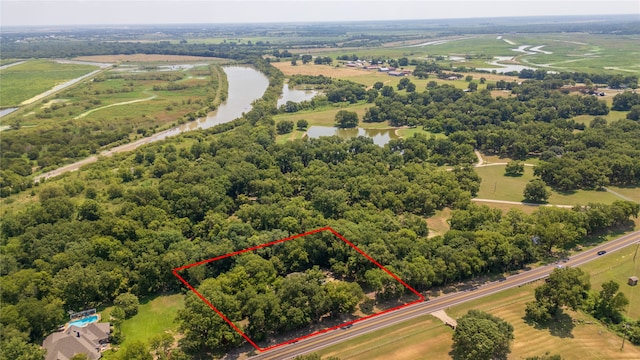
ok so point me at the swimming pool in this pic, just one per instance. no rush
(84, 321)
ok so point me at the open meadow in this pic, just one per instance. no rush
(24, 81)
(496, 186)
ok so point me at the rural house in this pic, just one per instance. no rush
(89, 340)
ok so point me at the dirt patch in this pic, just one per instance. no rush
(448, 320)
(315, 70)
(144, 58)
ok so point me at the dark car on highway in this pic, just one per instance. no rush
(602, 252)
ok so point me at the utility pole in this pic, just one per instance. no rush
(626, 325)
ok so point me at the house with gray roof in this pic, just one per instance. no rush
(90, 340)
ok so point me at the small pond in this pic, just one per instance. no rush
(295, 95)
(379, 136)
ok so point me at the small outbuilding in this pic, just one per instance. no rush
(633, 281)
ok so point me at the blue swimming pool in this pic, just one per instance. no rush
(84, 322)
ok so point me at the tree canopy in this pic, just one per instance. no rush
(481, 336)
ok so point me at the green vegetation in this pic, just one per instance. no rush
(155, 316)
(618, 266)
(482, 336)
(110, 233)
(495, 185)
(114, 108)
(24, 81)
(419, 338)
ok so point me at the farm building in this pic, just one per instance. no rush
(633, 281)
(396, 73)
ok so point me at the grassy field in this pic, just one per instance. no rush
(427, 338)
(618, 266)
(568, 52)
(24, 81)
(424, 337)
(632, 193)
(129, 100)
(154, 317)
(496, 186)
(583, 340)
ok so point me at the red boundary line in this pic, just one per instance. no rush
(339, 236)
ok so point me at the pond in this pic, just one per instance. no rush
(295, 95)
(380, 136)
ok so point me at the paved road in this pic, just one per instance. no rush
(318, 342)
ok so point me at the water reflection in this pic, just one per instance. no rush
(295, 95)
(379, 136)
(246, 85)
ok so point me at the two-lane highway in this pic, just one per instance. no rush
(442, 302)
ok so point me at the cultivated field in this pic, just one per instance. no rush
(24, 81)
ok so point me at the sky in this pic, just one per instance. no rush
(118, 12)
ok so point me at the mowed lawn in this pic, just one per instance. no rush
(24, 81)
(424, 337)
(154, 317)
(582, 340)
(496, 186)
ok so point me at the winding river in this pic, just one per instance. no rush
(246, 85)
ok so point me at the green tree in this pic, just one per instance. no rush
(378, 85)
(473, 86)
(514, 168)
(18, 349)
(536, 191)
(481, 336)
(161, 345)
(128, 302)
(203, 329)
(565, 287)
(136, 350)
(302, 124)
(634, 113)
(610, 302)
(284, 126)
(346, 119)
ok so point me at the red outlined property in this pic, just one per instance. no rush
(328, 229)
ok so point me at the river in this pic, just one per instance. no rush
(246, 85)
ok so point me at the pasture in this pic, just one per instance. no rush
(24, 81)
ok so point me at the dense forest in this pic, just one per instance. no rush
(124, 223)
